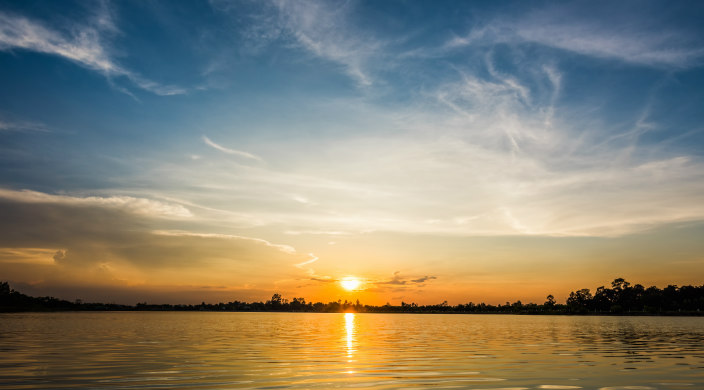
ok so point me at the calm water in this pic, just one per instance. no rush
(379, 351)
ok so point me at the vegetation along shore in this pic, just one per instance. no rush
(621, 298)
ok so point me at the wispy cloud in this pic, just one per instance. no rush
(610, 34)
(502, 165)
(485, 149)
(322, 29)
(398, 280)
(316, 232)
(423, 279)
(313, 259)
(310, 272)
(28, 255)
(84, 45)
(22, 126)
(141, 206)
(180, 233)
(234, 152)
(655, 49)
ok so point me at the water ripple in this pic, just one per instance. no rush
(369, 351)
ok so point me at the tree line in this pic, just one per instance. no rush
(621, 299)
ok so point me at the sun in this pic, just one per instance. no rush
(350, 283)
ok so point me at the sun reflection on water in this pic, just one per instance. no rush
(349, 327)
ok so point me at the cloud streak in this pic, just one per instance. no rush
(130, 204)
(179, 233)
(312, 260)
(15, 126)
(398, 280)
(610, 35)
(233, 152)
(321, 29)
(84, 47)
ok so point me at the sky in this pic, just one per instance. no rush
(488, 151)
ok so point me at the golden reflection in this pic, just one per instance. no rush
(349, 327)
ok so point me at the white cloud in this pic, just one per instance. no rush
(653, 48)
(632, 40)
(234, 152)
(493, 156)
(84, 46)
(315, 233)
(22, 126)
(323, 29)
(180, 233)
(130, 204)
(486, 151)
(313, 259)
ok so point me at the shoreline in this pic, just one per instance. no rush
(594, 314)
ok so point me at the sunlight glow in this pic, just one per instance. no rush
(350, 283)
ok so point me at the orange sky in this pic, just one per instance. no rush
(62, 246)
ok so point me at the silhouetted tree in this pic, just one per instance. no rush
(549, 302)
(4, 289)
(579, 301)
(622, 297)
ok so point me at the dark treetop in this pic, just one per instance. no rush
(622, 298)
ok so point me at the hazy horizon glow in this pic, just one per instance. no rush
(180, 152)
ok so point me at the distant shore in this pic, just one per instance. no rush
(621, 299)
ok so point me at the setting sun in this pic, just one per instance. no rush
(350, 283)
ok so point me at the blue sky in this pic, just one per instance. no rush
(324, 139)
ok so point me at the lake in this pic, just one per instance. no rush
(205, 350)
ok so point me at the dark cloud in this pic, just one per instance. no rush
(397, 280)
(59, 256)
(93, 233)
(322, 279)
(90, 243)
(423, 279)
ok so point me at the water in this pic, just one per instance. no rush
(370, 351)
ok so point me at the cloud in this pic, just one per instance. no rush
(15, 126)
(84, 45)
(230, 151)
(652, 50)
(485, 152)
(141, 206)
(30, 256)
(283, 248)
(312, 259)
(322, 29)
(323, 279)
(87, 243)
(310, 272)
(301, 199)
(486, 162)
(59, 256)
(486, 148)
(316, 232)
(612, 33)
(397, 280)
(423, 279)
